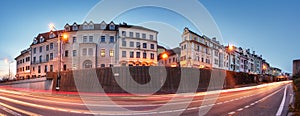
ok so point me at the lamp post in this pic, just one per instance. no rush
(61, 37)
(8, 62)
(230, 49)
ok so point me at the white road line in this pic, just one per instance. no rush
(247, 106)
(240, 109)
(230, 113)
(280, 109)
(257, 101)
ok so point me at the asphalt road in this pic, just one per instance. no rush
(262, 100)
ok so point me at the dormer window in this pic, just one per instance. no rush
(35, 41)
(74, 27)
(67, 27)
(42, 39)
(91, 25)
(85, 26)
(111, 27)
(51, 35)
(102, 25)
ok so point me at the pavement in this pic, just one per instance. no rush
(261, 100)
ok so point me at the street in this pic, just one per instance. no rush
(261, 100)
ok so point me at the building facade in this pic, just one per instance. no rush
(296, 67)
(170, 58)
(195, 50)
(90, 45)
(23, 65)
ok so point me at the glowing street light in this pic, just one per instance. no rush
(62, 37)
(165, 56)
(230, 47)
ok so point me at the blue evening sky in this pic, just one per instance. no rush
(270, 27)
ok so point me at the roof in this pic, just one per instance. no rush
(22, 53)
(137, 27)
(45, 36)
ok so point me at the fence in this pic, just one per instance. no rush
(162, 79)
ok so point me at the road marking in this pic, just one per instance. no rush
(247, 106)
(280, 109)
(240, 109)
(231, 113)
(257, 101)
(18, 110)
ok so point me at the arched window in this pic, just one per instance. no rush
(87, 64)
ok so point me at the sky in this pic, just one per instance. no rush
(270, 27)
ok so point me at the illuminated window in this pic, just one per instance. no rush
(102, 53)
(111, 53)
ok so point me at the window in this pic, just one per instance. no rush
(112, 27)
(27, 59)
(131, 34)
(39, 69)
(123, 42)
(131, 44)
(47, 57)
(124, 54)
(46, 69)
(84, 51)
(66, 53)
(74, 40)
(144, 45)
(138, 44)
(111, 65)
(138, 54)
(75, 28)
(91, 51)
(34, 50)
(103, 26)
(137, 35)
(84, 39)
(144, 36)
(65, 67)
(151, 37)
(51, 46)
(144, 55)
(111, 39)
(51, 56)
(111, 53)
(152, 46)
(124, 33)
(91, 39)
(41, 49)
(41, 58)
(34, 59)
(102, 65)
(152, 56)
(102, 39)
(51, 68)
(47, 47)
(102, 53)
(74, 53)
(131, 55)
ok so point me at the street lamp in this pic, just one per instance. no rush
(8, 62)
(230, 50)
(62, 37)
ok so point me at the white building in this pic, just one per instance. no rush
(195, 50)
(91, 45)
(23, 64)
